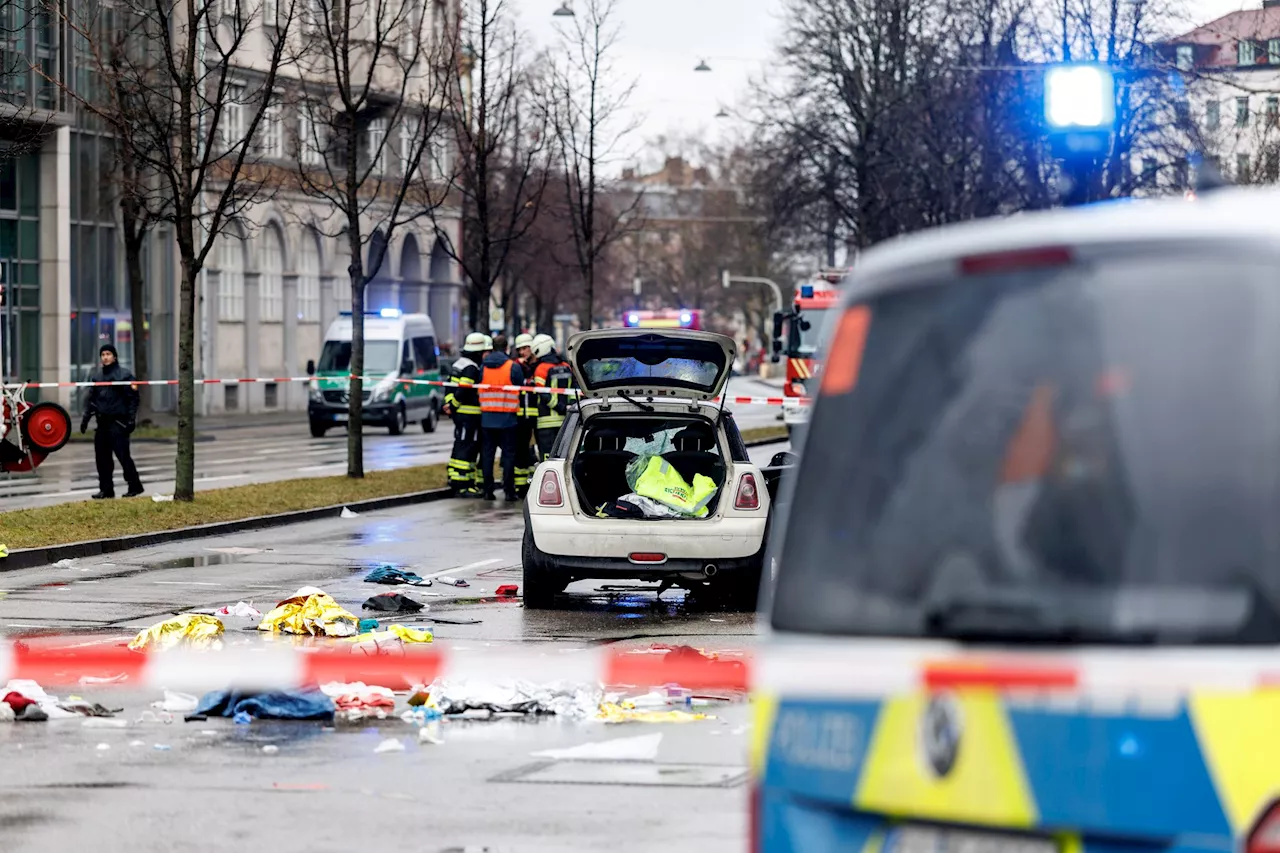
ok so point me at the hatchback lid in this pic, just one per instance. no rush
(674, 363)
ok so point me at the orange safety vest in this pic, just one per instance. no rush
(496, 399)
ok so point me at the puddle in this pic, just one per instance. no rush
(196, 562)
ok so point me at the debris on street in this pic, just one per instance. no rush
(277, 705)
(448, 581)
(561, 699)
(30, 704)
(176, 703)
(195, 629)
(391, 744)
(310, 611)
(393, 639)
(506, 590)
(627, 712)
(347, 513)
(393, 602)
(392, 575)
(241, 610)
(358, 695)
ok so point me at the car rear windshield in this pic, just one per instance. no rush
(1083, 453)
(651, 360)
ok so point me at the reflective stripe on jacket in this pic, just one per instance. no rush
(497, 399)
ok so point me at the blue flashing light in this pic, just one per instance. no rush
(806, 291)
(389, 313)
(1079, 97)
(633, 319)
(685, 318)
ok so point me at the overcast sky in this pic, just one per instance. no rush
(662, 41)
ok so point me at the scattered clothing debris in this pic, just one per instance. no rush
(196, 629)
(161, 498)
(390, 640)
(506, 590)
(430, 734)
(278, 705)
(448, 581)
(271, 749)
(88, 709)
(103, 747)
(358, 695)
(367, 625)
(347, 513)
(137, 743)
(393, 602)
(31, 704)
(6, 713)
(642, 748)
(626, 712)
(87, 680)
(162, 747)
(392, 575)
(176, 703)
(310, 611)
(391, 744)
(240, 610)
(562, 699)
(65, 564)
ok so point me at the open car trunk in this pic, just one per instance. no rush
(609, 445)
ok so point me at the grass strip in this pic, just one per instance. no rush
(764, 434)
(86, 520)
(142, 433)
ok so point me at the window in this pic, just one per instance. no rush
(377, 137)
(1272, 166)
(406, 145)
(271, 395)
(231, 397)
(1181, 174)
(424, 355)
(1186, 57)
(314, 16)
(230, 9)
(1273, 110)
(411, 23)
(1242, 168)
(310, 138)
(1212, 115)
(1246, 52)
(271, 277)
(230, 278)
(273, 129)
(309, 278)
(439, 165)
(232, 123)
(1242, 111)
(1149, 168)
(271, 13)
(1273, 51)
(1182, 111)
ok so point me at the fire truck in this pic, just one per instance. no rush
(798, 336)
(29, 432)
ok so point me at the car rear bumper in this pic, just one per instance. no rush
(596, 540)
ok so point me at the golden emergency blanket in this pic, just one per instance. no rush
(196, 629)
(395, 632)
(626, 712)
(310, 611)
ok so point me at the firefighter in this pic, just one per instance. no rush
(550, 371)
(462, 404)
(499, 407)
(527, 417)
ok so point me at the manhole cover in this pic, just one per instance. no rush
(627, 773)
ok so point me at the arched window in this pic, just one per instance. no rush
(231, 277)
(309, 277)
(271, 276)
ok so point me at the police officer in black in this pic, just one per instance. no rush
(116, 408)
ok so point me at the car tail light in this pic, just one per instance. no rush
(1017, 259)
(549, 491)
(647, 557)
(748, 494)
(797, 388)
(1265, 835)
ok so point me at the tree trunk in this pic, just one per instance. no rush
(355, 394)
(185, 462)
(137, 312)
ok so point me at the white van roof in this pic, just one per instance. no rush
(382, 328)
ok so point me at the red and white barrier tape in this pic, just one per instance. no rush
(862, 670)
(741, 401)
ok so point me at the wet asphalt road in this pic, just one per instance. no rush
(275, 447)
(325, 789)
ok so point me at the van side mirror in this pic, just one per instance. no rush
(311, 367)
(406, 367)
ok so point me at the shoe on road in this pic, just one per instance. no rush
(102, 496)
(490, 496)
(133, 493)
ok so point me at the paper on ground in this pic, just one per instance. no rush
(641, 748)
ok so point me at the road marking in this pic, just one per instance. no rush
(187, 583)
(24, 625)
(468, 567)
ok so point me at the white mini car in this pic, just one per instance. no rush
(646, 394)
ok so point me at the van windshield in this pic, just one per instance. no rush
(1086, 453)
(379, 357)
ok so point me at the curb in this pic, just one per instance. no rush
(27, 558)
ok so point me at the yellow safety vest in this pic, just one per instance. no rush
(663, 483)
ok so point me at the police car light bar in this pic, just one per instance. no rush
(1079, 97)
(806, 291)
(685, 318)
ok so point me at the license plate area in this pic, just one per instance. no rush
(340, 417)
(915, 838)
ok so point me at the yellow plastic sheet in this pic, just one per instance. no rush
(196, 629)
(316, 614)
(625, 712)
(408, 635)
(4, 551)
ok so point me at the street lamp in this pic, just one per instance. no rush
(701, 66)
(723, 113)
(564, 11)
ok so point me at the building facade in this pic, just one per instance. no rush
(273, 283)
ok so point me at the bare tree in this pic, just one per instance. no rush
(199, 74)
(371, 69)
(588, 108)
(501, 142)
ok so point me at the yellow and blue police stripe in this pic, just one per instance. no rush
(1190, 774)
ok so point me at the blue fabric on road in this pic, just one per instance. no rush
(281, 705)
(391, 575)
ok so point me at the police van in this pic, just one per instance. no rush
(396, 346)
(1028, 586)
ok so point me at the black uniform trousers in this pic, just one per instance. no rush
(463, 476)
(546, 440)
(495, 438)
(112, 439)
